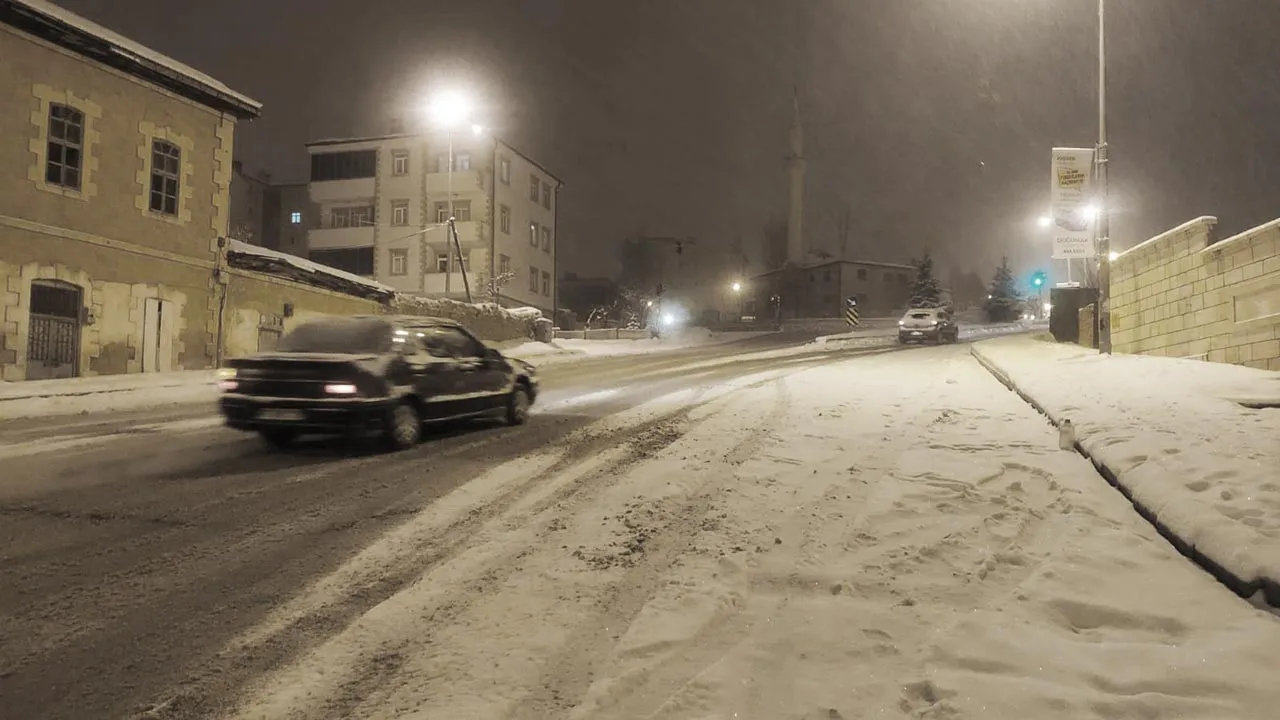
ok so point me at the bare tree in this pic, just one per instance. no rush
(493, 288)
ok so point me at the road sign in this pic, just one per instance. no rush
(851, 312)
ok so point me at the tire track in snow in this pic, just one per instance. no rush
(569, 674)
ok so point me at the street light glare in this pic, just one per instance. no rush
(1113, 255)
(477, 130)
(1044, 221)
(737, 287)
(449, 109)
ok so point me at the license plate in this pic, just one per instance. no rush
(917, 332)
(278, 414)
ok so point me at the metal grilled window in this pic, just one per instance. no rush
(166, 165)
(66, 147)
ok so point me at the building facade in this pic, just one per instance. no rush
(383, 204)
(114, 194)
(820, 290)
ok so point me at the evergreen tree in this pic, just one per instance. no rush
(926, 293)
(1004, 302)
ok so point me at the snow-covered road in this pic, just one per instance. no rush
(889, 536)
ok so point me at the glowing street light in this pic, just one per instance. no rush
(450, 109)
(1113, 255)
(1044, 221)
(737, 287)
(447, 111)
(477, 130)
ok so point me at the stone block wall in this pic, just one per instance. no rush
(1181, 294)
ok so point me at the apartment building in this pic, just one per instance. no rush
(383, 204)
(114, 195)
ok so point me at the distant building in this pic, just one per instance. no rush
(820, 290)
(383, 204)
(272, 216)
(288, 215)
(115, 176)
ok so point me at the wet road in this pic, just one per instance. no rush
(135, 546)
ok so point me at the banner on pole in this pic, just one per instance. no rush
(1069, 199)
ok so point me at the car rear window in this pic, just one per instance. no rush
(346, 335)
(921, 315)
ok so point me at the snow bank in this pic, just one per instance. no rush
(1176, 439)
(489, 321)
(834, 543)
(568, 350)
(134, 391)
(888, 335)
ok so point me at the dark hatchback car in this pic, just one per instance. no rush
(383, 374)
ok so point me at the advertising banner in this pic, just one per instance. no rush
(1070, 195)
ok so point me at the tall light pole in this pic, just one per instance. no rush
(1104, 207)
(448, 110)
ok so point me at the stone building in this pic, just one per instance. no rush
(114, 180)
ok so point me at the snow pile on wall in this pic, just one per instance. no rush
(487, 320)
(243, 256)
(1174, 436)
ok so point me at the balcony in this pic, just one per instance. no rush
(349, 237)
(341, 190)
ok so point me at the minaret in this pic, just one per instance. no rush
(795, 176)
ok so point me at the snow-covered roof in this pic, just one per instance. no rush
(70, 30)
(309, 270)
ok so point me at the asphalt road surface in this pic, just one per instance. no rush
(134, 546)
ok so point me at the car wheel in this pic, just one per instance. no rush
(518, 405)
(404, 427)
(279, 438)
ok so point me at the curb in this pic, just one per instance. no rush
(1246, 589)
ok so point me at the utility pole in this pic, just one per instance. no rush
(1104, 210)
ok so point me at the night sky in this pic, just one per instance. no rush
(931, 120)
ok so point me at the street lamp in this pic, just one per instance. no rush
(1044, 221)
(737, 287)
(447, 111)
(1102, 158)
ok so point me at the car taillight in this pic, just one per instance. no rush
(228, 385)
(340, 389)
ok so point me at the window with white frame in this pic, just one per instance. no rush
(399, 162)
(461, 161)
(545, 233)
(504, 264)
(295, 218)
(166, 165)
(546, 195)
(399, 261)
(65, 159)
(504, 219)
(533, 234)
(533, 279)
(461, 211)
(535, 187)
(546, 284)
(504, 170)
(399, 212)
(345, 217)
(442, 262)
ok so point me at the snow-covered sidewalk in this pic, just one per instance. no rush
(894, 536)
(136, 391)
(1176, 436)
